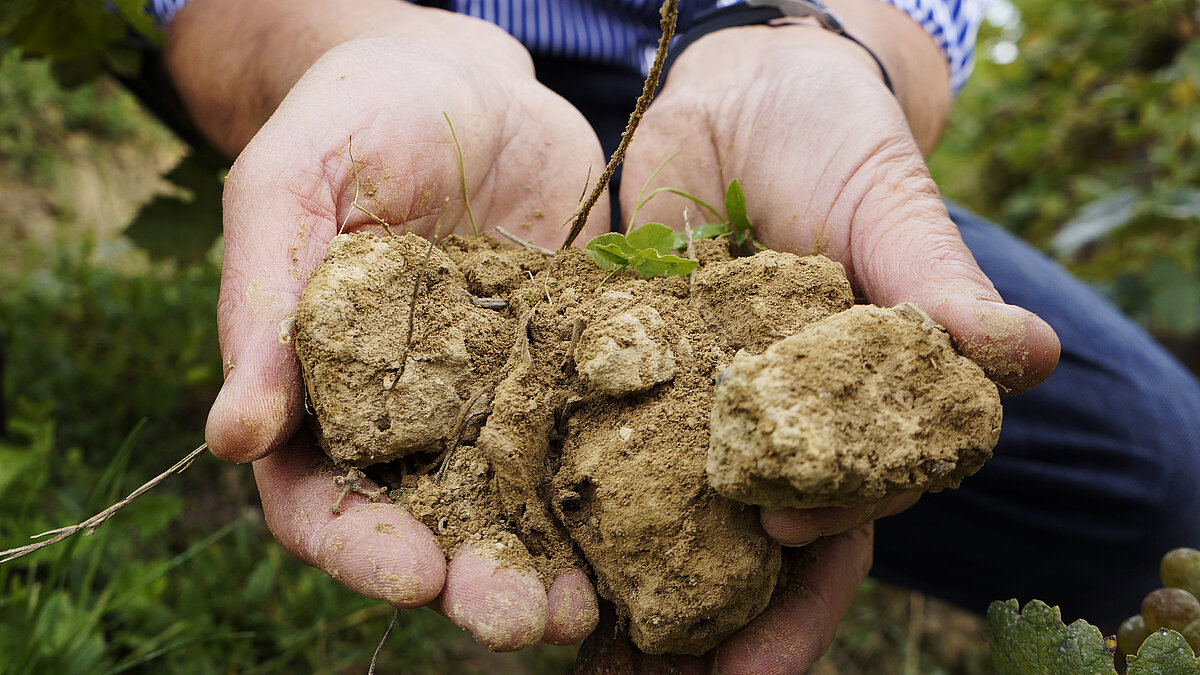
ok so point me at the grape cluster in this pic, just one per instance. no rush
(1174, 606)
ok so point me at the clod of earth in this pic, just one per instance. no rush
(574, 416)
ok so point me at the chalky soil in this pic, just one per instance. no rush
(629, 427)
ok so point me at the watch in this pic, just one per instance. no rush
(763, 12)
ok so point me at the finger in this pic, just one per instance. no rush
(504, 609)
(798, 527)
(278, 221)
(800, 623)
(374, 549)
(572, 609)
(903, 247)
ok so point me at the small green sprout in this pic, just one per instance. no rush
(646, 250)
(736, 223)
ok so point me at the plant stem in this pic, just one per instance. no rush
(462, 174)
(669, 12)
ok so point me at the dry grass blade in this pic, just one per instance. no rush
(379, 649)
(670, 12)
(412, 302)
(99, 519)
(524, 242)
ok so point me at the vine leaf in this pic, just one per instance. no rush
(1165, 652)
(646, 250)
(1035, 642)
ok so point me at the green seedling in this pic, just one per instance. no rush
(734, 222)
(646, 250)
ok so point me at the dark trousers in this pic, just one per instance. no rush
(1097, 472)
(1096, 475)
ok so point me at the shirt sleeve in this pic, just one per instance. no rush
(163, 10)
(953, 25)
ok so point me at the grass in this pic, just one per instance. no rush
(110, 365)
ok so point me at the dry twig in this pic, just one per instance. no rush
(378, 649)
(524, 242)
(99, 519)
(354, 204)
(669, 12)
(412, 301)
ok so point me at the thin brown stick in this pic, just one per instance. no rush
(412, 301)
(100, 518)
(444, 461)
(669, 12)
(524, 242)
(437, 479)
(354, 203)
(379, 649)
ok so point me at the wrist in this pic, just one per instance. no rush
(890, 47)
(919, 70)
(233, 78)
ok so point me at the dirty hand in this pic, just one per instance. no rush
(828, 161)
(382, 99)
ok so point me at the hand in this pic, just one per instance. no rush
(828, 162)
(527, 157)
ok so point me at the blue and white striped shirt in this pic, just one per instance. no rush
(624, 33)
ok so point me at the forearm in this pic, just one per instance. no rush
(233, 61)
(919, 70)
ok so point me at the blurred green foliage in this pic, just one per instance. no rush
(82, 39)
(145, 594)
(107, 345)
(35, 114)
(1088, 144)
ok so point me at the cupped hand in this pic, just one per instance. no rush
(527, 155)
(828, 163)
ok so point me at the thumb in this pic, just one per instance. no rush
(904, 248)
(278, 221)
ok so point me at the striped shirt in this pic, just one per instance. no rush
(624, 33)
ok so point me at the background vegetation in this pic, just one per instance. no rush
(1079, 130)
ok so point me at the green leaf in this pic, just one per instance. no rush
(1035, 642)
(1165, 652)
(65, 29)
(614, 240)
(183, 225)
(706, 231)
(652, 235)
(649, 264)
(607, 257)
(735, 208)
(134, 13)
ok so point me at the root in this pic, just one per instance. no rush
(437, 479)
(99, 519)
(412, 301)
(351, 483)
(524, 242)
(354, 204)
(379, 649)
(577, 327)
(670, 12)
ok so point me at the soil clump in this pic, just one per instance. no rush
(551, 420)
